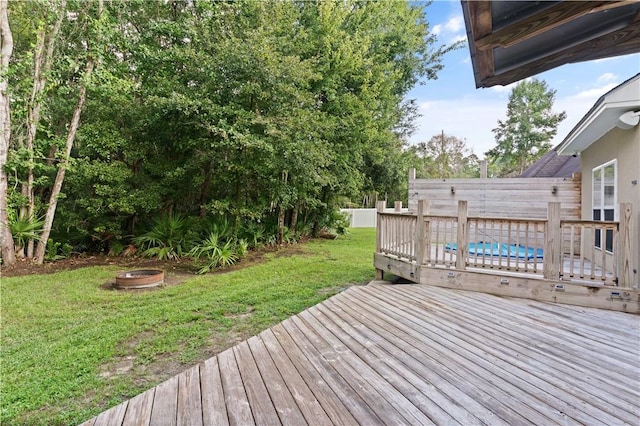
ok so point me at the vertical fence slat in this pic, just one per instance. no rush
(625, 277)
(571, 250)
(553, 242)
(437, 224)
(603, 250)
(484, 231)
(427, 240)
(582, 250)
(380, 232)
(461, 238)
(509, 246)
(420, 241)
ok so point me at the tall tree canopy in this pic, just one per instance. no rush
(444, 156)
(526, 134)
(269, 112)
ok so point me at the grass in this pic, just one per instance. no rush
(71, 349)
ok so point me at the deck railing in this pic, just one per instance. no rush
(553, 249)
(398, 238)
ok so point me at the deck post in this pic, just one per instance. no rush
(397, 206)
(412, 174)
(625, 277)
(420, 241)
(552, 243)
(380, 205)
(483, 169)
(462, 244)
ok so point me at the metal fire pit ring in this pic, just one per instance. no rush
(141, 278)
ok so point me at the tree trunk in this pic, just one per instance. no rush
(294, 217)
(281, 213)
(6, 45)
(41, 68)
(204, 189)
(62, 168)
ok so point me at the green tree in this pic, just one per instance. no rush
(526, 134)
(56, 45)
(6, 45)
(450, 157)
(269, 112)
(443, 156)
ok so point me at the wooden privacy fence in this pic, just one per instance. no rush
(513, 198)
(551, 248)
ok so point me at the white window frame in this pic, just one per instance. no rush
(602, 207)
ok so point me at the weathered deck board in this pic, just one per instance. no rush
(465, 374)
(309, 406)
(527, 372)
(259, 400)
(412, 354)
(325, 395)
(139, 409)
(214, 410)
(189, 399)
(321, 363)
(235, 395)
(165, 403)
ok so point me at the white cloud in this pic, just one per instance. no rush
(453, 29)
(508, 87)
(467, 118)
(613, 58)
(454, 24)
(606, 77)
(472, 117)
(459, 37)
(592, 94)
(576, 106)
(504, 89)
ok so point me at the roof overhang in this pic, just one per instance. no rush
(512, 40)
(603, 117)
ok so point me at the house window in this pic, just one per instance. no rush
(604, 201)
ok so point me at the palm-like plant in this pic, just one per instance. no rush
(254, 233)
(242, 247)
(169, 238)
(25, 228)
(209, 247)
(227, 255)
(216, 253)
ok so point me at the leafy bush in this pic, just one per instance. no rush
(218, 253)
(242, 247)
(116, 248)
(170, 238)
(335, 222)
(339, 222)
(57, 250)
(254, 233)
(227, 255)
(25, 228)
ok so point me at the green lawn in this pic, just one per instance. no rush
(71, 349)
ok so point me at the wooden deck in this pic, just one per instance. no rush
(412, 354)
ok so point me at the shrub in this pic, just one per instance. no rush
(216, 253)
(25, 228)
(170, 238)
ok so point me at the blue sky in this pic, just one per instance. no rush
(453, 104)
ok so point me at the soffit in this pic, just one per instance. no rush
(513, 40)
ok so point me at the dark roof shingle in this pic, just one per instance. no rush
(553, 165)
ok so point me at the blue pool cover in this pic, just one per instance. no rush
(502, 250)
